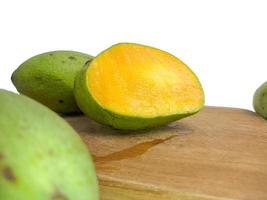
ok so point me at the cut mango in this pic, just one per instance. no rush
(132, 86)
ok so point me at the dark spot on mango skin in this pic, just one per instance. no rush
(38, 78)
(72, 58)
(58, 196)
(87, 62)
(8, 174)
(1, 156)
(60, 101)
(51, 152)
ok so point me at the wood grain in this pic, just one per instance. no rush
(219, 153)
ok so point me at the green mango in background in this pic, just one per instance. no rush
(41, 156)
(49, 79)
(260, 100)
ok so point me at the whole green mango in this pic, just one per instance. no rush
(49, 79)
(41, 156)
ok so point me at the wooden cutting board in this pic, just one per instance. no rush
(219, 153)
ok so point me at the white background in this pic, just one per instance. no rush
(224, 42)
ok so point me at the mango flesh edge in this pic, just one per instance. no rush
(132, 86)
(260, 100)
(49, 79)
(41, 156)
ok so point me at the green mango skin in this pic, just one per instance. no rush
(92, 109)
(41, 156)
(260, 100)
(49, 79)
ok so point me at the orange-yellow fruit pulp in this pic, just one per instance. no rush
(137, 80)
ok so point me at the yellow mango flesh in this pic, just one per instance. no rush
(137, 80)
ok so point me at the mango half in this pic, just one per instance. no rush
(41, 156)
(49, 79)
(131, 86)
